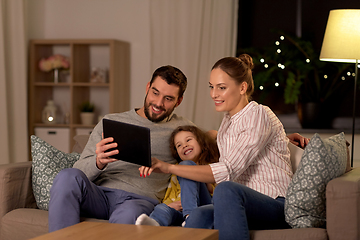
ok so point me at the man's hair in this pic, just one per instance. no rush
(171, 75)
(209, 149)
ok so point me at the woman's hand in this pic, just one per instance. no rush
(298, 140)
(102, 157)
(176, 205)
(156, 166)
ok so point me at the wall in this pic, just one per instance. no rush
(126, 20)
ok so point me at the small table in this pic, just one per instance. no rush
(101, 230)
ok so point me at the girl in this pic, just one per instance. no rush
(189, 146)
(254, 167)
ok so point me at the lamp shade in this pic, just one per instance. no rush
(342, 36)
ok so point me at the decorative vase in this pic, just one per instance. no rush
(56, 75)
(87, 118)
(49, 113)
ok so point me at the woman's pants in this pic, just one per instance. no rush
(236, 209)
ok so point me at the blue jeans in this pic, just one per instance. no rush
(237, 209)
(73, 195)
(193, 194)
(167, 216)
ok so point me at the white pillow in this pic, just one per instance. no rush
(295, 155)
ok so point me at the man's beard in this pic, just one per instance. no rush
(156, 117)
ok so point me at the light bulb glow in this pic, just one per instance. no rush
(343, 78)
(279, 50)
(308, 60)
(276, 84)
(282, 37)
(261, 87)
(262, 60)
(50, 118)
(348, 73)
(266, 66)
(325, 76)
(277, 43)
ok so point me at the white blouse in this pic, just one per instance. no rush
(254, 151)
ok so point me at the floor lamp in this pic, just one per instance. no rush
(342, 44)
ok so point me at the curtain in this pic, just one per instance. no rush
(193, 35)
(13, 82)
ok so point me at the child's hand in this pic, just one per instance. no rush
(176, 205)
(156, 166)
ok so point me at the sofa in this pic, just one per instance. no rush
(21, 218)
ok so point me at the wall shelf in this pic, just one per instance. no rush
(68, 94)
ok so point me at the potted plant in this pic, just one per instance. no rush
(87, 113)
(314, 86)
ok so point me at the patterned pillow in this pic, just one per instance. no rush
(47, 162)
(321, 161)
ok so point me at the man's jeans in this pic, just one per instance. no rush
(73, 195)
(237, 209)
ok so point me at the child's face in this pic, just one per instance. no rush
(186, 145)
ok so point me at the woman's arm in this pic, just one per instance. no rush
(200, 173)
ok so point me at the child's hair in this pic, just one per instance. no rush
(209, 150)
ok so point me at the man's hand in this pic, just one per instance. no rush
(102, 157)
(176, 205)
(298, 140)
(156, 166)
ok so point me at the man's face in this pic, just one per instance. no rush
(161, 100)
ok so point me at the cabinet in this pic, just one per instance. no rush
(74, 86)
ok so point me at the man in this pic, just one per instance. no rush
(102, 187)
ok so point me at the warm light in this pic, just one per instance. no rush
(277, 43)
(325, 76)
(50, 119)
(261, 88)
(353, 74)
(276, 84)
(343, 78)
(348, 73)
(266, 66)
(342, 36)
(307, 60)
(278, 51)
(262, 60)
(282, 37)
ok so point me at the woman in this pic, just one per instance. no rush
(254, 167)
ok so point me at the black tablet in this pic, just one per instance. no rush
(133, 141)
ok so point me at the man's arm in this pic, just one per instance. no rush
(298, 140)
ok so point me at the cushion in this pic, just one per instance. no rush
(47, 162)
(295, 155)
(321, 161)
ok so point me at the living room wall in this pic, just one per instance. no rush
(126, 20)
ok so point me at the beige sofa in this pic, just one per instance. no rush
(21, 219)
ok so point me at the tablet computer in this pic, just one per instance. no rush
(133, 141)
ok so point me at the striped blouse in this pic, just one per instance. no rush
(253, 151)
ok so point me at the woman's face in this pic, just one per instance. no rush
(186, 145)
(225, 92)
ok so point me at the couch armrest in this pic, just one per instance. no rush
(343, 206)
(15, 187)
